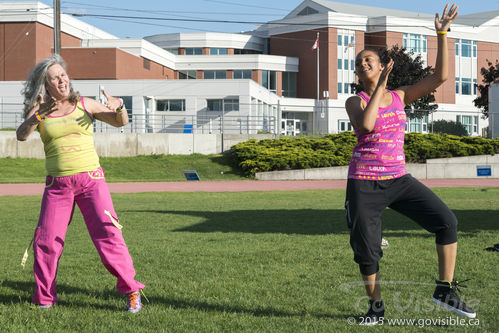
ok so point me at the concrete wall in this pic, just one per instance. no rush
(456, 167)
(133, 144)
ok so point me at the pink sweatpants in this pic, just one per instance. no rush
(90, 192)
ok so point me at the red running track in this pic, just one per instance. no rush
(240, 186)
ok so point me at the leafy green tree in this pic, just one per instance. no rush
(407, 70)
(489, 75)
(448, 127)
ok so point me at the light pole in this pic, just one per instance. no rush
(57, 26)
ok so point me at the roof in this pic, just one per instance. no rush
(346, 8)
(475, 19)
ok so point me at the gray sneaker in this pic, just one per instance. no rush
(445, 295)
(384, 243)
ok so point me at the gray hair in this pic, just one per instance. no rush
(35, 85)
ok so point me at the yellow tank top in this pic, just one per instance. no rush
(69, 143)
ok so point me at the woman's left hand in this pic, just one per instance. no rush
(112, 103)
(443, 23)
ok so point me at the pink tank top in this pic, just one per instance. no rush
(379, 155)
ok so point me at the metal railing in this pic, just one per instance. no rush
(201, 123)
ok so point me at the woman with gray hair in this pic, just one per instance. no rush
(64, 120)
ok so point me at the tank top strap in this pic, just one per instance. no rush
(364, 96)
(397, 101)
(396, 98)
(81, 105)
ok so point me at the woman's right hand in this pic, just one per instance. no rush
(385, 73)
(45, 108)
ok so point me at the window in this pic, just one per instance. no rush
(289, 84)
(345, 40)
(307, 11)
(265, 79)
(243, 51)
(415, 126)
(214, 75)
(223, 104)
(465, 86)
(465, 48)
(467, 122)
(172, 50)
(352, 64)
(345, 63)
(344, 125)
(346, 86)
(217, 51)
(340, 64)
(414, 42)
(470, 123)
(193, 50)
(340, 88)
(269, 80)
(187, 75)
(242, 74)
(170, 105)
(340, 40)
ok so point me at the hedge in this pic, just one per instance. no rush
(336, 149)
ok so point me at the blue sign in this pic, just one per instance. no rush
(191, 175)
(483, 170)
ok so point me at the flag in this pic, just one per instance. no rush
(351, 44)
(316, 44)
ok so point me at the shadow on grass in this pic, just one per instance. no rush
(153, 300)
(61, 289)
(318, 222)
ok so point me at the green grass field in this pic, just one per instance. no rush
(248, 262)
(153, 168)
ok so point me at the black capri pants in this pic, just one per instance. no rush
(367, 199)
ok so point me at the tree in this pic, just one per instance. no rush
(489, 75)
(407, 70)
(448, 127)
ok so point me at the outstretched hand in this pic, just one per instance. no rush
(46, 108)
(383, 79)
(443, 23)
(112, 103)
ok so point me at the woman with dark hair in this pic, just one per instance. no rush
(65, 122)
(377, 176)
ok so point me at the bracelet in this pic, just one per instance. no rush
(441, 32)
(120, 108)
(37, 115)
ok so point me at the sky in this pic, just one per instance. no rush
(178, 13)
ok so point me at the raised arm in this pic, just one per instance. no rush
(439, 76)
(112, 112)
(362, 116)
(34, 117)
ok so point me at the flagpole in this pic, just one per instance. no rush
(318, 66)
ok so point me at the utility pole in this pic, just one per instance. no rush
(57, 26)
